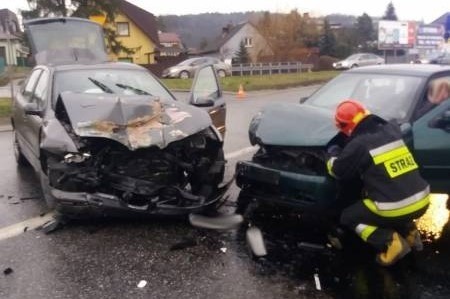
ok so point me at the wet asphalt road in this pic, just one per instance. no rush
(107, 258)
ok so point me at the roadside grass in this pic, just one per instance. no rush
(5, 110)
(257, 82)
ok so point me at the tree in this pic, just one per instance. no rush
(390, 13)
(327, 41)
(81, 9)
(365, 31)
(241, 55)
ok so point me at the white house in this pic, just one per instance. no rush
(226, 46)
(10, 46)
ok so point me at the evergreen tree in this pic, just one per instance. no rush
(390, 14)
(327, 42)
(365, 31)
(241, 55)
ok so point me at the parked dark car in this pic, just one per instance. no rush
(437, 57)
(187, 68)
(289, 167)
(108, 137)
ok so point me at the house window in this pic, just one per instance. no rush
(123, 29)
(248, 42)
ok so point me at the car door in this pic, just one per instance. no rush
(431, 142)
(206, 87)
(20, 119)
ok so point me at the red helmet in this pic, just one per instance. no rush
(348, 114)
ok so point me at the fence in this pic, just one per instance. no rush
(269, 68)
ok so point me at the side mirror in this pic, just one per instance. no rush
(446, 116)
(442, 122)
(303, 99)
(32, 109)
(203, 102)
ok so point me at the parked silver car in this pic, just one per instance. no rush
(360, 59)
(187, 68)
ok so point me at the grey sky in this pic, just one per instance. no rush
(406, 9)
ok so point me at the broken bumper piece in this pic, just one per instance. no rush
(102, 203)
(284, 188)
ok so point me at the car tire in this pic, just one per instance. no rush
(221, 73)
(353, 66)
(18, 155)
(184, 75)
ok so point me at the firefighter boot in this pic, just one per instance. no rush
(414, 240)
(396, 249)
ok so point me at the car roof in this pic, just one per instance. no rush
(420, 70)
(105, 65)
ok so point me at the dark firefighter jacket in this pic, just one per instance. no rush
(377, 154)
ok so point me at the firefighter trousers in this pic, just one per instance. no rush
(375, 229)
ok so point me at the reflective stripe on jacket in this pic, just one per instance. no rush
(377, 154)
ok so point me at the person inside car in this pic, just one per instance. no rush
(438, 92)
(394, 193)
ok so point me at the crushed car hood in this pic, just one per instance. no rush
(294, 125)
(135, 121)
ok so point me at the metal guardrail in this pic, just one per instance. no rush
(269, 68)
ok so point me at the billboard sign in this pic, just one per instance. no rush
(396, 35)
(429, 36)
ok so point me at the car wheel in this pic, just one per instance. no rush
(184, 75)
(353, 66)
(18, 155)
(221, 73)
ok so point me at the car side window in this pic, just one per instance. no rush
(41, 89)
(31, 83)
(438, 91)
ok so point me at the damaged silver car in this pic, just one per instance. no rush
(108, 137)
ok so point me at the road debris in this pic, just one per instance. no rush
(186, 243)
(317, 281)
(25, 228)
(255, 241)
(142, 284)
(52, 225)
(221, 222)
(311, 246)
(223, 249)
(8, 271)
(29, 198)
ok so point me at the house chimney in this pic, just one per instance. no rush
(226, 30)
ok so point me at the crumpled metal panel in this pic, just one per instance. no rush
(55, 138)
(135, 121)
(294, 125)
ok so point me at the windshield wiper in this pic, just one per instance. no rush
(101, 85)
(134, 89)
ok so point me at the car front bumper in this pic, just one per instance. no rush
(278, 187)
(88, 204)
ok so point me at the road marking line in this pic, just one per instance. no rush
(29, 224)
(243, 151)
(33, 223)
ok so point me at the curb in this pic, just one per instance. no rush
(5, 128)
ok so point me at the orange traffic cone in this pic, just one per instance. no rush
(241, 92)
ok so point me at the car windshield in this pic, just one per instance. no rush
(389, 96)
(122, 82)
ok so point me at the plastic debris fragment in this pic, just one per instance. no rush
(142, 284)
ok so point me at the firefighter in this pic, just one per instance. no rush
(394, 193)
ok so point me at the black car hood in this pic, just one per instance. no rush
(294, 125)
(134, 121)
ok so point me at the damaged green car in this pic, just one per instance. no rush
(289, 169)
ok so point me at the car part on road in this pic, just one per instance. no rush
(8, 271)
(255, 241)
(222, 222)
